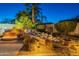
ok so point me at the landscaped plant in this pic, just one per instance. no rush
(24, 23)
(28, 41)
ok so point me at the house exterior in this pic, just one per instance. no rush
(76, 31)
(50, 28)
(4, 27)
(47, 27)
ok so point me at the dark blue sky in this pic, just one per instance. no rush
(53, 12)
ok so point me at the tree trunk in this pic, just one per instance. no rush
(33, 14)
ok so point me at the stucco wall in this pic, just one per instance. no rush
(4, 27)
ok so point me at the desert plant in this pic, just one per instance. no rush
(28, 41)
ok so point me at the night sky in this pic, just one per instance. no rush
(53, 12)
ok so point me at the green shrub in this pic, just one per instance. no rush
(25, 23)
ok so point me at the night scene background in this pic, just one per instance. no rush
(39, 29)
(54, 12)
